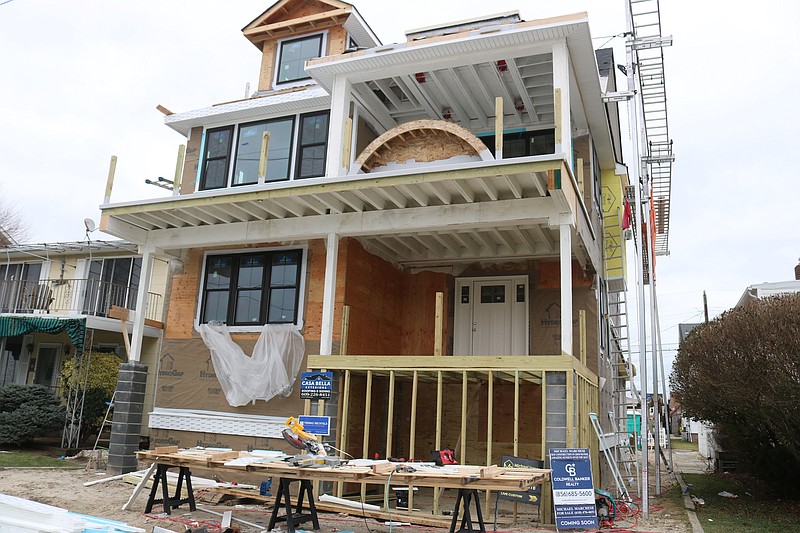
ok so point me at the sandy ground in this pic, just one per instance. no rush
(64, 488)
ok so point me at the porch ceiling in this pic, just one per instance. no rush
(458, 76)
(481, 211)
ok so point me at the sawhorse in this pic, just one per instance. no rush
(294, 517)
(467, 496)
(175, 501)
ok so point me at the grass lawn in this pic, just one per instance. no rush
(33, 459)
(759, 513)
(680, 444)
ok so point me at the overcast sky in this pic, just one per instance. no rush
(79, 81)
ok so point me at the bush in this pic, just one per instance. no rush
(100, 385)
(741, 372)
(28, 411)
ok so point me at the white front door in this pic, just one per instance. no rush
(491, 316)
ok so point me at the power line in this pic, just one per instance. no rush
(6, 2)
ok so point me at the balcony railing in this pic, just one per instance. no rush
(72, 296)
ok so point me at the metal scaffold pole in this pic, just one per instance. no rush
(656, 356)
(637, 221)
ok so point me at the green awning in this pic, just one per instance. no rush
(11, 326)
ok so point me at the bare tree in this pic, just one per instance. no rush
(12, 226)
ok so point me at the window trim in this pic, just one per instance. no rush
(323, 45)
(204, 160)
(301, 289)
(299, 146)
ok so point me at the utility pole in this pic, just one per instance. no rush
(705, 305)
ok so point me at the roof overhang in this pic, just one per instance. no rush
(470, 54)
(276, 103)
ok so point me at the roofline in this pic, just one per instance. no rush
(74, 247)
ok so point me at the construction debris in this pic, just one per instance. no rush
(23, 516)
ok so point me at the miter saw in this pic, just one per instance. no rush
(316, 452)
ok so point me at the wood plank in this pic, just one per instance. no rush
(491, 471)
(165, 449)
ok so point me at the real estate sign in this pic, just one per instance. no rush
(573, 489)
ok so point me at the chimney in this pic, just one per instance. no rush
(797, 271)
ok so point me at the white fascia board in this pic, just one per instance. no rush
(360, 30)
(445, 218)
(249, 109)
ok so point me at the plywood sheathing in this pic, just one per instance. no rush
(294, 18)
(421, 141)
(373, 290)
(192, 161)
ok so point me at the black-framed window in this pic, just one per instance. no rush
(248, 150)
(293, 56)
(216, 158)
(312, 145)
(252, 289)
(290, 155)
(524, 143)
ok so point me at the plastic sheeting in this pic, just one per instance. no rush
(270, 371)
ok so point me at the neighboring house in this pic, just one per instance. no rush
(55, 299)
(429, 215)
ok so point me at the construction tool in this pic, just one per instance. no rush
(316, 452)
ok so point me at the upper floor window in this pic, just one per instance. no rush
(287, 149)
(293, 56)
(524, 143)
(312, 145)
(248, 150)
(112, 282)
(252, 289)
(216, 158)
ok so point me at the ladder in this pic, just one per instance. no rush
(106, 422)
(622, 384)
(622, 489)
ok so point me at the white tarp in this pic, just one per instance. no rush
(269, 372)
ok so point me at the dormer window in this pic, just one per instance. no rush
(293, 56)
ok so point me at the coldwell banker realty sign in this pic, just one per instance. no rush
(316, 385)
(573, 490)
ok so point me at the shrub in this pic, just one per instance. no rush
(28, 411)
(741, 371)
(100, 385)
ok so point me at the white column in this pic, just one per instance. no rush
(561, 77)
(141, 305)
(329, 294)
(340, 110)
(565, 261)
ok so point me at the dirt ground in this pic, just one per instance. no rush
(64, 488)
